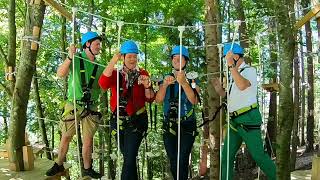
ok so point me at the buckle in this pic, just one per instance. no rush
(140, 111)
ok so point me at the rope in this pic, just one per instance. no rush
(181, 29)
(220, 116)
(119, 24)
(261, 69)
(237, 25)
(263, 102)
(102, 65)
(74, 13)
(177, 27)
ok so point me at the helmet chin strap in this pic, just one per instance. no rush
(235, 61)
(124, 64)
(91, 50)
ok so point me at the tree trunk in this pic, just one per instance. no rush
(310, 97)
(91, 10)
(318, 26)
(204, 147)
(229, 22)
(270, 139)
(12, 39)
(243, 35)
(22, 87)
(303, 97)
(63, 45)
(52, 140)
(5, 122)
(295, 139)
(39, 110)
(286, 55)
(212, 59)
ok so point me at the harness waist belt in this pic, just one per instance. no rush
(81, 103)
(189, 114)
(243, 110)
(140, 111)
(245, 127)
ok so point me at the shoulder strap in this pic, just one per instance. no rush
(172, 87)
(93, 76)
(172, 93)
(83, 74)
(120, 83)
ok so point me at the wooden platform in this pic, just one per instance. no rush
(273, 87)
(301, 175)
(38, 173)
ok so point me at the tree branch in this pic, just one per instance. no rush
(6, 89)
(21, 11)
(3, 55)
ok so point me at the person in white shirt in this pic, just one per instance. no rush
(245, 118)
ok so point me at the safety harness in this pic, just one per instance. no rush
(171, 125)
(86, 88)
(86, 101)
(235, 114)
(124, 119)
(234, 125)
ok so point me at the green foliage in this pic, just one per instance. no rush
(155, 44)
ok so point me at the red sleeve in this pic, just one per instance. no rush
(106, 82)
(144, 72)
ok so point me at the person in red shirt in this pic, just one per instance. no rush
(135, 90)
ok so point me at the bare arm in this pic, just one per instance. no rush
(163, 88)
(161, 93)
(181, 78)
(218, 87)
(109, 69)
(145, 81)
(241, 82)
(63, 69)
(192, 97)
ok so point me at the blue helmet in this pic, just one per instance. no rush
(176, 50)
(236, 49)
(129, 47)
(89, 36)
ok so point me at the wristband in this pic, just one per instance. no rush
(231, 66)
(69, 58)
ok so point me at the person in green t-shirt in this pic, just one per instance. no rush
(86, 94)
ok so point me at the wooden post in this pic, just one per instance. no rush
(314, 11)
(28, 159)
(37, 2)
(315, 172)
(9, 73)
(60, 9)
(36, 35)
